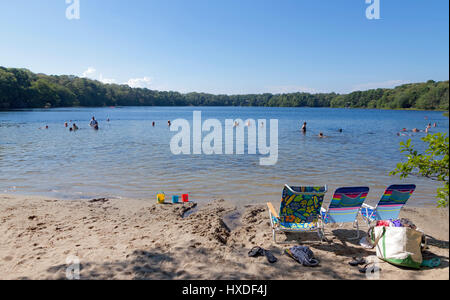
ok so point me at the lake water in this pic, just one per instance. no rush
(129, 158)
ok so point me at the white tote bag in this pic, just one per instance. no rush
(401, 246)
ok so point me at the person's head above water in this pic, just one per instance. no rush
(321, 135)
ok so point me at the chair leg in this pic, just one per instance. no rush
(321, 235)
(357, 231)
(366, 220)
(274, 233)
(322, 225)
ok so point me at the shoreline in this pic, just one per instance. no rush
(138, 239)
(120, 106)
(239, 206)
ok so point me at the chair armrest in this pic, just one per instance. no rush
(272, 210)
(367, 206)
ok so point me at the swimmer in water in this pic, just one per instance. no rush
(93, 123)
(435, 125)
(415, 130)
(341, 130)
(304, 129)
(66, 124)
(75, 127)
(153, 124)
(169, 123)
(321, 135)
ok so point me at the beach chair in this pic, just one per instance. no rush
(299, 211)
(394, 198)
(345, 206)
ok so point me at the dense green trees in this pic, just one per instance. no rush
(430, 95)
(20, 88)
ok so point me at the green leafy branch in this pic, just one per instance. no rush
(433, 163)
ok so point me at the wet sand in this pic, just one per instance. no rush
(138, 239)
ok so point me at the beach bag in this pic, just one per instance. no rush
(400, 246)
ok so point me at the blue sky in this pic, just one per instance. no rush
(231, 46)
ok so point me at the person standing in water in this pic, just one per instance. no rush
(304, 129)
(153, 124)
(169, 123)
(94, 123)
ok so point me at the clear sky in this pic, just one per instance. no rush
(231, 46)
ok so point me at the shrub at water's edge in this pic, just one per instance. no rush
(20, 88)
(433, 163)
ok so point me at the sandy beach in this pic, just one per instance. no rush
(139, 239)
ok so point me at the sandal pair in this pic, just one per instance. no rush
(367, 267)
(258, 251)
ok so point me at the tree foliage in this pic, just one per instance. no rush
(433, 163)
(20, 88)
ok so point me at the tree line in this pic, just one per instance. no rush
(21, 88)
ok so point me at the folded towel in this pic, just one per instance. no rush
(303, 255)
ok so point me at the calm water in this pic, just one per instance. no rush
(127, 157)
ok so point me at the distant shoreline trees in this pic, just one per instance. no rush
(20, 88)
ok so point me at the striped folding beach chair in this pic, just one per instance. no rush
(345, 206)
(390, 205)
(299, 211)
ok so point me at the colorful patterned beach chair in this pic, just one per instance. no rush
(394, 198)
(345, 206)
(299, 211)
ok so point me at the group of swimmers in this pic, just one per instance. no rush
(304, 129)
(93, 124)
(74, 126)
(236, 124)
(416, 130)
(321, 135)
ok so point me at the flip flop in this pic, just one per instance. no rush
(431, 263)
(357, 261)
(256, 252)
(366, 268)
(270, 257)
